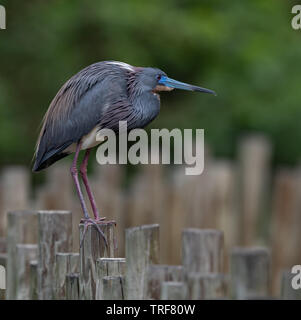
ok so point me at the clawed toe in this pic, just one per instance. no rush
(95, 223)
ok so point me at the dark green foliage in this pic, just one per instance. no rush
(245, 50)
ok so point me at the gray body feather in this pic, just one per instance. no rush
(100, 95)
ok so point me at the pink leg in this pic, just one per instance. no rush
(98, 220)
(74, 174)
(87, 220)
(83, 172)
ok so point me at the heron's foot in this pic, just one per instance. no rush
(96, 222)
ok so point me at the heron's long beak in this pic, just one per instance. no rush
(171, 83)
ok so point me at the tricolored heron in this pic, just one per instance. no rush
(98, 97)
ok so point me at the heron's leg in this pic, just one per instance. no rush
(98, 220)
(87, 220)
(83, 172)
(74, 174)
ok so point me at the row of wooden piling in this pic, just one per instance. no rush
(40, 264)
(252, 203)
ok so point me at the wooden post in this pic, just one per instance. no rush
(250, 273)
(24, 254)
(141, 250)
(206, 286)
(65, 263)
(107, 267)
(254, 161)
(33, 287)
(287, 290)
(72, 286)
(285, 221)
(60, 187)
(297, 219)
(54, 236)
(3, 247)
(15, 190)
(106, 183)
(223, 208)
(157, 274)
(113, 287)
(110, 266)
(172, 290)
(148, 195)
(188, 205)
(202, 250)
(93, 247)
(21, 229)
(174, 216)
(3, 260)
(57, 193)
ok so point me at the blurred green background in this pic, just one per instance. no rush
(245, 50)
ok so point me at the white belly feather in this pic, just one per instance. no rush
(88, 141)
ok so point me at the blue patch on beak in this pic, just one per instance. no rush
(171, 83)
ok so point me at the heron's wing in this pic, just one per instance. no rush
(77, 108)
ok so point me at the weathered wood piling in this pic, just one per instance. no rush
(65, 263)
(106, 268)
(93, 247)
(46, 267)
(202, 251)
(72, 286)
(252, 204)
(25, 253)
(250, 273)
(141, 250)
(157, 274)
(33, 284)
(54, 236)
(172, 290)
(21, 229)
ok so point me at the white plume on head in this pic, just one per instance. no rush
(122, 65)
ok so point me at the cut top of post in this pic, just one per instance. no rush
(202, 250)
(249, 250)
(58, 212)
(250, 272)
(144, 227)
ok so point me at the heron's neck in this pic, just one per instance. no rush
(145, 103)
(148, 105)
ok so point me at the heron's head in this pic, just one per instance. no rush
(155, 80)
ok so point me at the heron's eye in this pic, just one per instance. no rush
(159, 77)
